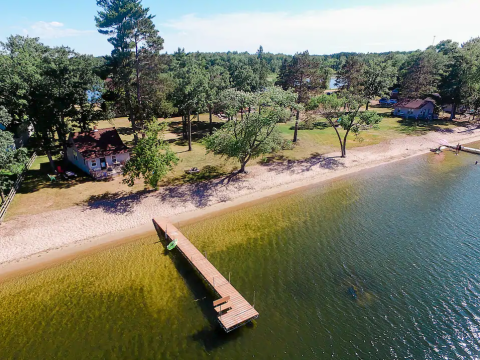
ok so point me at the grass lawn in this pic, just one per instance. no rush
(38, 194)
(324, 140)
(188, 159)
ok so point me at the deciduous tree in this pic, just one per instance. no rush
(471, 89)
(254, 133)
(333, 109)
(190, 94)
(421, 74)
(12, 161)
(378, 76)
(218, 81)
(151, 158)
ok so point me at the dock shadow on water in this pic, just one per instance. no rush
(213, 336)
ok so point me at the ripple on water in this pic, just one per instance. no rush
(380, 265)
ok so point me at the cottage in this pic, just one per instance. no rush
(100, 153)
(415, 109)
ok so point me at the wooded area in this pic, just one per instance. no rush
(58, 91)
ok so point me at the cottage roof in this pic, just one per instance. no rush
(414, 104)
(99, 143)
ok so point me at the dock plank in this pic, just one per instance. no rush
(241, 310)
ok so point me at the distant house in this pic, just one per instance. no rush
(100, 153)
(415, 109)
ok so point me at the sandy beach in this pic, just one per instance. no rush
(30, 241)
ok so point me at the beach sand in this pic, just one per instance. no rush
(34, 241)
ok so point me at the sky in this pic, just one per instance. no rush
(280, 26)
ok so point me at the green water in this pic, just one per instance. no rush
(405, 236)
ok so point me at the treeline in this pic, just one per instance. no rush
(448, 72)
(52, 88)
(275, 61)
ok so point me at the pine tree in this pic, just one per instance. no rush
(305, 75)
(136, 48)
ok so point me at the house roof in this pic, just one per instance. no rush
(414, 104)
(99, 143)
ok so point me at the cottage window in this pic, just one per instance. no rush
(94, 163)
(75, 155)
(114, 159)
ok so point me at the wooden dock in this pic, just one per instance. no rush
(233, 310)
(464, 148)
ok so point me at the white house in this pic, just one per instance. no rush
(415, 109)
(100, 153)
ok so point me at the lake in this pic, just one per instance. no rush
(382, 264)
(331, 84)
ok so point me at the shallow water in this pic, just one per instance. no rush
(380, 265)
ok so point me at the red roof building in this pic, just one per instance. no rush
(98, 152)
(415, 109)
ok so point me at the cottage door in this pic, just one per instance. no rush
(103, 163)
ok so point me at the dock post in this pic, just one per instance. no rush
(242, 311)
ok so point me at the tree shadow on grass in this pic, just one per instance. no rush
(200, 129)
(208, 172)
(37, 179)
(201, 193)
(175, 127)
(125, 131)
(317, 125)
(422, 127)
(315, 161)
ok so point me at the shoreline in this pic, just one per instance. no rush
(56, 255)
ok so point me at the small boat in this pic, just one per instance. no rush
(172, 245)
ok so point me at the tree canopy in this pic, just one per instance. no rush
(58, 91)
(306, 76)
(151, 158)
(135, 56)
(344, 112)
(12, 160)
(255, 133)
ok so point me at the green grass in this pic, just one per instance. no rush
(324, 140)
(38, 194)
